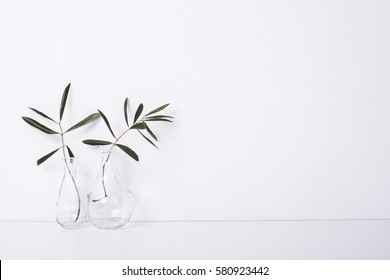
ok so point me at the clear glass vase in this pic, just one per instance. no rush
(110, 203)
(71, 204)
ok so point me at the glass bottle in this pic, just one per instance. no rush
(110, 203)
(71, 204)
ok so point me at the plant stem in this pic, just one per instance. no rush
(108, 157)
(70, 173)
(103, 172)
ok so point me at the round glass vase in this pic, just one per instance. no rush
(110, 203)
(71, 203)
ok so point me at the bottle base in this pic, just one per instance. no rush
(70, 225)
(114, 223)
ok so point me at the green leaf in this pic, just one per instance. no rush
(128, 151)
(70, 152)
(157, 110)
(44, 158)
(125, 109)
(157, 120)
(151, 132)
(147, 139)
(39, 126)
(107, 123)
(94, 142)
(139, 112)
(160, 116)
(42, 114)
(63, 100)
(140, 125)
(91, 118)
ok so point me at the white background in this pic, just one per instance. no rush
(282, 107)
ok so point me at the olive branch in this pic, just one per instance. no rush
(64, 148)
(139, 124)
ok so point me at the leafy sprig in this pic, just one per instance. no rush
(65, 148)
(139, 124)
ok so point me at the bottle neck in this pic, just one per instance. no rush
(105, 150)
(106, 154)
(70, 166)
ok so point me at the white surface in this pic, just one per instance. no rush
(282, 108)
(200, 240)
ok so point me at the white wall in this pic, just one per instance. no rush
(282, 107)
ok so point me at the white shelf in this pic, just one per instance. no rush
(363, 239)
